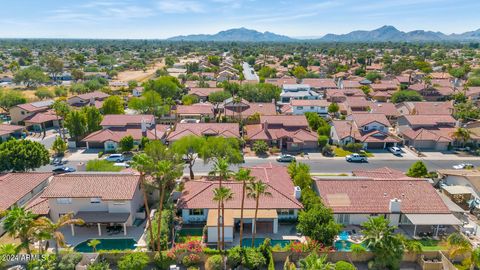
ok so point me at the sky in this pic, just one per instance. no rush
(158, 19)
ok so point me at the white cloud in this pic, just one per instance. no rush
(180, 6)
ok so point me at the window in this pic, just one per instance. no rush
(300, 108)
(285, 212)
(64, 200)
(95, 200)
(119, 203)
(196, 212)
(311, 107)
(365, 127)
(344, 218)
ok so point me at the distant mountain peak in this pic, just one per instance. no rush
(241, 34)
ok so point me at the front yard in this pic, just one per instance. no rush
(340, 152)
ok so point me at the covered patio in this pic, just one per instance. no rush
(102, 218)
(434, 225)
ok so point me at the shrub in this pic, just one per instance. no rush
(100, 154)
(162, 261)
(193, 268)
(99, 266)
(322, 140)
(327, 150)
(133, 261)
(353, 147)
(234, 257)
(253, 259)
(274, 150)
(126, 143)
(214, 263)
(342, 265)
(191, 260)
(260, 147)
(69, 261)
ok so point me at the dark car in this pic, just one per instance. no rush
(63, 169)
(286, 158)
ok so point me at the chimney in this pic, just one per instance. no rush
(265, 126)
(395, 205)
(144, 128)
(92, 101)
(297, 192)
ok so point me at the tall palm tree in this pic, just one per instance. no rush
(53, 228)
(164, 173)
(221, 169)
(315, 262)
(255, 191)
(243, 175)
(221, 195)
(18, 223)
(144, 164)
(459, 245)
(462, 135)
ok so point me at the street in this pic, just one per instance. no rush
(249, 72)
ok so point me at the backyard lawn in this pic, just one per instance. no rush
(340, 152)
(432, 245)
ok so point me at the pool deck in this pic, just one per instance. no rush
(83, 233)
(285, 232)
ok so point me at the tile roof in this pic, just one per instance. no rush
(36, 106)
(386, 108)
(310, 102)
(285, 120)
(14, 186)
(262, 108)
(382, 173)
(6, 129)
(425, 107)
(105, 186)
(126, 119)
(195, 109)
(198, 194)
(228, 130)
(429, 120)
(116, 134)
(362, 119)
(373, 196)
(203, 92)
(94, 95)
(42, 117)
(38, 205)
(320, 83)
(439, 134)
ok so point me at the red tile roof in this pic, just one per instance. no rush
(203, 92)
(429, 120)
(264, 108)
(386, 108)
(116, 134)
(382, 174)
(425, 107)
(6, 129)
(195, 109)
(42, 117)
(439, 134)
(198, 194)
(39, 205)
(285, 120)
(14, 186)
(320, 83)
(362, 119)
(122, 120)
(105, 186)
(373, 196)
(94, 95)
(228, 130)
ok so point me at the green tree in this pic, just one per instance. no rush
(44, 93)
(462, 135)
(10, 98)
(54, 66)
(315, 262)
(165, 86)
(256, 190)
(333, 108)
(53, 228)
(189, 148)
(244, 176)
(260, 147)
(76, 123)
(7, 250)
(214, 60)
(299, 72)
(418, 169)
(459, 245)
(319, 224)
(222, 148)
(149, 103)
(133, 261)
(18, 223)
(260, 92)
(221, 195)
(113, 105)
(373, 76)
(406, 95)
(93, 244)
(99, 266)
(189, 99)
(59, 146)
(30, 76)
(22, 155)
(126, 143)
(93, 118)
(466, 111)
(217, 98)
(77, 74)
(132, 84)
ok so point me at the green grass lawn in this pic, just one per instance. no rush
(101, 165)
(340, 152)
(432, 245)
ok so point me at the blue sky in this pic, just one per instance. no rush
(166, 18)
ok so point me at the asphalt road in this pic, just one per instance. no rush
(249, 72)
(323, 166)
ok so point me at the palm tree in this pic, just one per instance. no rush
(164, 173)
(462, 135)
(53, 228)
(143, 164)
(243, 175)
(255, 191)
(93, 244)
(221, 195)
(315, 262)
(459, 245)
(221, 169)
(18, 223)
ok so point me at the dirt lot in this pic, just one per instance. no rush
(139, 75)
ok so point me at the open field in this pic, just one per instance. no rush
(140, 75)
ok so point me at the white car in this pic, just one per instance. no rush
(115, 158)
(122, 164)
(395, 150)
(463, 166)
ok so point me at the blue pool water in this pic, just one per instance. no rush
(344, 245)
(247, 242)
(343, 235)
(107, 244)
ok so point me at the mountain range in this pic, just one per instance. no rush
(383, 34)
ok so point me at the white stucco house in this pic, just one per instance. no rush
(301, 106)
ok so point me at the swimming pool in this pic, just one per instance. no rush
(344, 245)
(107, 244)
(247, 242)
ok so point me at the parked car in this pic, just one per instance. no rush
(286, 158)
(57, 161)
(115, 158)
(63, 169)
(463, 166)
(355, 157)
(395, 150)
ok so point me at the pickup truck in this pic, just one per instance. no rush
(355, 157)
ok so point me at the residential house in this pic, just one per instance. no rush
(226, 75)
(340, 95)
(36, 115)
(438, 90)
(301, 106)
(203, 93)
(117, 126)
(7, 131)
(320, 84)
(92, 99)
(427, 131)
(281, 81)
(413, 205)
(286, 132)
(371, 129)
(17, 189)
(386, 108)
(227, 130)
(348, 84)
(297, 91)
(242, 109)
(138, 91)
(466, 178)
(97, 199)
(358, 104)
(198, 111)
(198, 207)
(425, 107)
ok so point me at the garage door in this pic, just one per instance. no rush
(375, 145)
(264, 226)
